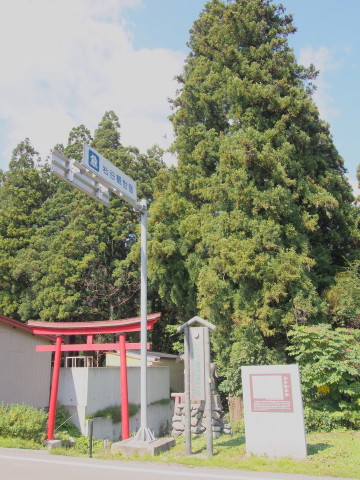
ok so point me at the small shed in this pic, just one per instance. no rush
(24, 375)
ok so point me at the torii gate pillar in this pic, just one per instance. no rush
(54, 389)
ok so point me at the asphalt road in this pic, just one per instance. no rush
(16, 464)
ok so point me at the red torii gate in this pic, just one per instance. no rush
(59, 329)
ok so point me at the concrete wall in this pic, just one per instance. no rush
(84, 391)
(24, 374)
(176, 368)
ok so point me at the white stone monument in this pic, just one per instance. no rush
(273, 409)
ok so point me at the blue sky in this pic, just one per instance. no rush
(123, 55)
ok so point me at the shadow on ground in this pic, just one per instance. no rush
(313, 449)
(228, 442)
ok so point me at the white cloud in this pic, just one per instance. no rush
(324, 60)
(65, 62)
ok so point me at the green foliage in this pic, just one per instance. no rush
(23, 191)
(80, 447)
(250, 229)
(330, 374)
(238, 427)
(8, 442)
(63, 424)
(250, 347)
(114, 412)
(22, 421)
(63, 256)
(343, 297)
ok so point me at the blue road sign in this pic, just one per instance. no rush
(109, 175)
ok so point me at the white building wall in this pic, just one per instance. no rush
(24, 373)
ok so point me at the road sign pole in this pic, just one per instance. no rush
(143, 309)
(144, 434)
(187, 391)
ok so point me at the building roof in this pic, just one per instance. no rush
(21, 326)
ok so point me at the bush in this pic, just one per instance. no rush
(82, 445)
(343, 297)
(330, 375)
(325, 420)
(317, 420)
(63, 423)
(238, 426)
(22, 421)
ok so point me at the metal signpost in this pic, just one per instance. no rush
(98, 177)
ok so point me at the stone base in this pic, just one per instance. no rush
(198, 418)
(131, 447)
(51, 444)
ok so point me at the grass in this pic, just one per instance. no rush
(335, 454)
(6, 442)
(332, 454)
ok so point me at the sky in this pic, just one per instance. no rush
(67, 62)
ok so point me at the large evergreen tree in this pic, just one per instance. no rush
(253, 224)
(23, 191)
